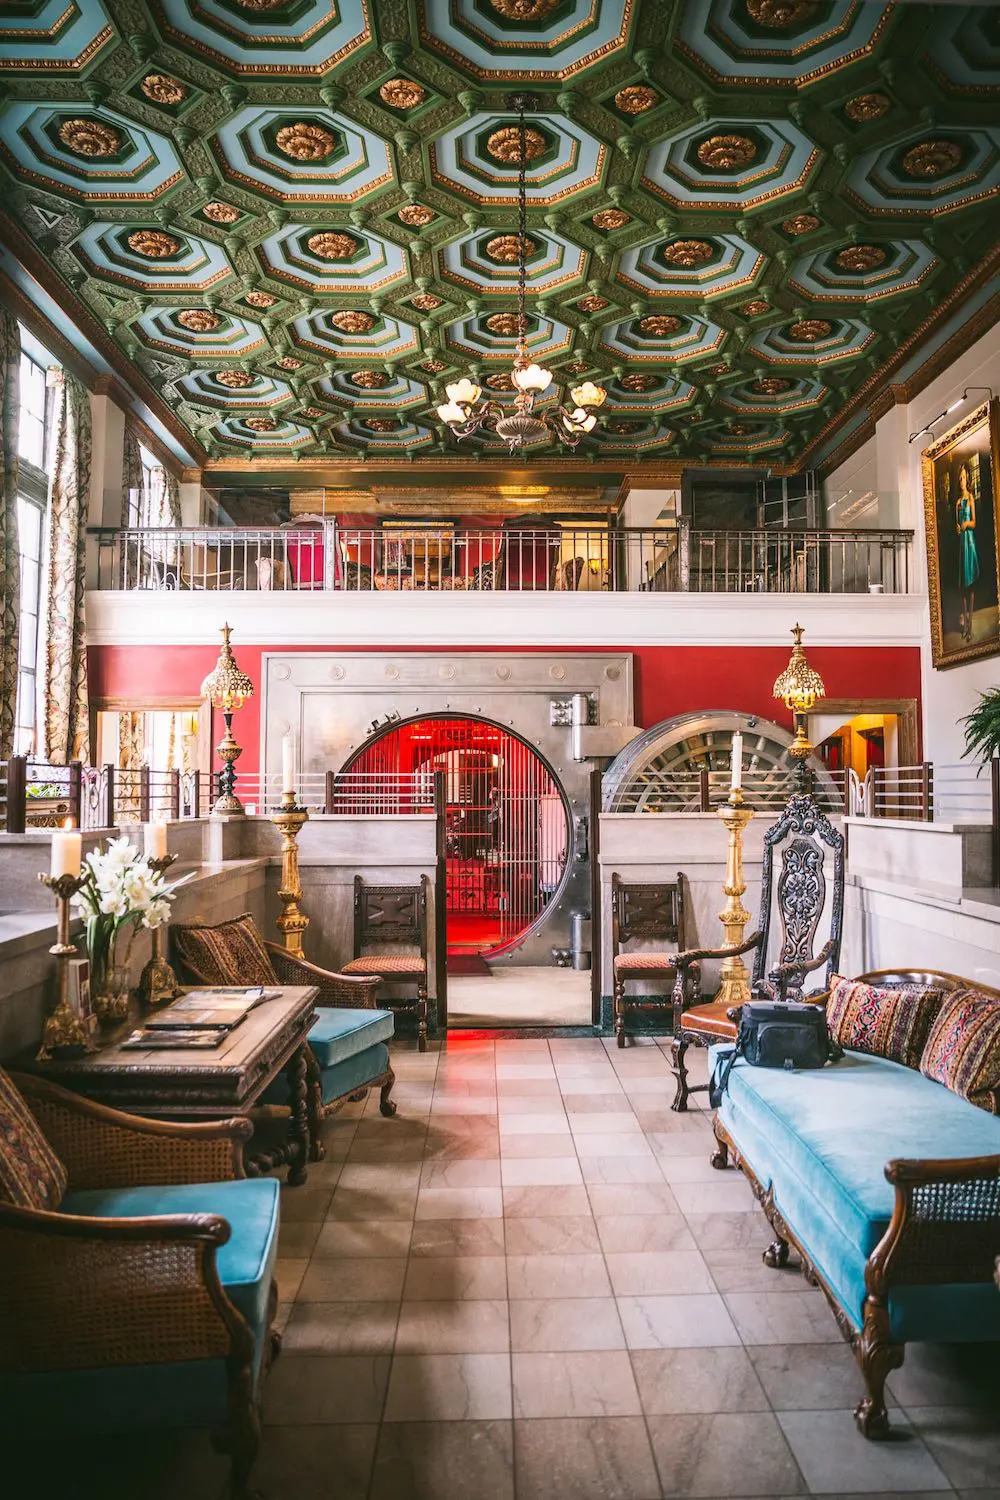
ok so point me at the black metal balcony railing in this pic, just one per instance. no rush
(523, 559)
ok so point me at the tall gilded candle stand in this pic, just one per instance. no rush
(735, 987)
(158, 982)
(292, 923)
(64, 1032)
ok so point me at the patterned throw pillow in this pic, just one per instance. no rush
(886, 1022)
(31, 1174)
(228, 953)
(963, 1049)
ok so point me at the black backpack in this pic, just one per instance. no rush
(772, 1034)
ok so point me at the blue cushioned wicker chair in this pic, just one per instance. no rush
(143, 1295)
(348, 1041)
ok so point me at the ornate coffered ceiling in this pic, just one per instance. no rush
(294, 220)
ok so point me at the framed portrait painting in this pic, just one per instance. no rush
(960, 471)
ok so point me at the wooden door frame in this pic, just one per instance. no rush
(905, 710)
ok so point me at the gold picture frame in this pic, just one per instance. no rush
(960, 480)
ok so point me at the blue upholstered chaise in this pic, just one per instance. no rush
(888, 1186)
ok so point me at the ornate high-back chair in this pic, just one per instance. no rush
(649, 912)
(388, 918)
(799, 930)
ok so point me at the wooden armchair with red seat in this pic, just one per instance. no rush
(808, 893)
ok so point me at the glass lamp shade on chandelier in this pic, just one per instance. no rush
(465, 412)
(227, 689)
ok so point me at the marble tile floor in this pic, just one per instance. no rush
(530, 1285)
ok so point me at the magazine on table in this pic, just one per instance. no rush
(218, 1009)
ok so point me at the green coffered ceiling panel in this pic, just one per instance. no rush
(295, 219)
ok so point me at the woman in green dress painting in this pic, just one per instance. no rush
(968, 555)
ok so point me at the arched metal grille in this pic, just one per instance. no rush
(506, 821)
(662, 770)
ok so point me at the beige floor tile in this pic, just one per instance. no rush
(689, 1166)
(605, 1122)
(379, 1177)
(341, 1328)
(557, 1276)
(288, 1274)
(367, 1203)
(570, 1323)
(614, 1170)
(574, 1385)
(964, 1442)
(346, 1280)
(463, 1104)
(733, 1453)
(545, 1202)
(450, 1237)
(651, 1272)
(750, 1233)
(833, 1455)
(305, 1204)
(698, 1321)
(540, 1171)
(460, 1203)
(449, 1387)
(475, 1173)
(467, 1327)
(585, 1459)
(776, 1318)
(697, 1380)
(948, 1375)
(623, 1144)
(552, 1236)
(808, 1377)
(518, 1123)
(432, 1460)
(724, 1193)
(454, 1278)
(605, 1087)
(530, 1147)
(745, 1271)
(528, 1096)
(615, 1200)
(632, 1233)
(364, 1237)
(326, 1388)
(296, 1461)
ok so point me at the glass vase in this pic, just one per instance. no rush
(110, 991)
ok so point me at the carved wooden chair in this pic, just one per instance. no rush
(138, 1275)
(811, 854)
(393, 915)
(651, 912)
(348, 1041)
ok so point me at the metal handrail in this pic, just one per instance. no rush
(556, 558)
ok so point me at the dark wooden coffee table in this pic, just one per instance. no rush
(218, 1082)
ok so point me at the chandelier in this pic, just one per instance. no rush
(464, 412)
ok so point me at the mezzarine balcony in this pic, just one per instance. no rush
(523, 558)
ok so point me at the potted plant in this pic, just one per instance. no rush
(982, 727)
(120, 890)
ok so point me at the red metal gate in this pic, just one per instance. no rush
(506, 833)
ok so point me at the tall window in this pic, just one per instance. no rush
(32, 498)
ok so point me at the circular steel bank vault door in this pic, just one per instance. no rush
(507, 823)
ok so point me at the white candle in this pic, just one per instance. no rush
(288, 764)
(155, 840)
(67, 851)
(736, 763)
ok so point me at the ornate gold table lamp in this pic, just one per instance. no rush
(227, 689)
(800, 688)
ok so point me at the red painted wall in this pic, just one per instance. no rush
(668, 679)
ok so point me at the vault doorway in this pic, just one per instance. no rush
(506, 825)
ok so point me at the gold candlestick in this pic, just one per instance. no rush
(64, 1031)
(292, 923)
(735, 986)
(158, 982)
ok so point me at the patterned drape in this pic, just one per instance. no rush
(131, 758)
(133, 480)
(163, 500)
(65, 718)
(10, 565)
